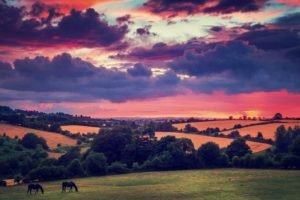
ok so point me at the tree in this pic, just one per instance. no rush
(277, 116)
(75, 168)
(189, 129)
(209, 153)
(295, 147)
(112, 144)
(234, 134)
(281, 139)
(72, 154)
(96, 164)
(260, 136)
(31, 141)
(238, 148)
(18, 178)
(118, 168)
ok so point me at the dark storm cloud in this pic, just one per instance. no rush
(139, 70)
(71, 79)
(292, 19)
(162, 51)
(173, 8)
(272, 39)
(238, 68)
(230, 6)
(85, 28)
(125, 19)
(216, 28)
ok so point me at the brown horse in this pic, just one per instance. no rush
(36, 187)
(70, 185)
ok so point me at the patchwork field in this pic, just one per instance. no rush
(268, 130)
(52, 138)
(74, 129)
(199, 140)
(228, 184)
(221, 124)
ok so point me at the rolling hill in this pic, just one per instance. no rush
(53, 139)
(199, 140)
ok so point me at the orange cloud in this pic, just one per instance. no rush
(73, 4)
(291, 2)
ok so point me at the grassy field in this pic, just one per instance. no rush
(52, 138)
(229, 184)
(199, 140)
(74, 129)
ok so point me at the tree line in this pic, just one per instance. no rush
(123, 150)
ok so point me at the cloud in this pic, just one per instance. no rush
(139, 70)
(172, 8)
(161, 51)
(238, 68)
(65, 78)
(230, 6)
(78, 28)
(272, 39)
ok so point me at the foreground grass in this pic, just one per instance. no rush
(233, 184)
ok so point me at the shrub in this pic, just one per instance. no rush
(3, 183)
(96, 164)
(118, 168)
(31, 141)
(48, 173)
(209, 153)
(238, 148)
(18, 178)
(76, 168)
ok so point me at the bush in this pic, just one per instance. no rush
(136, 166)
(3, 183)
(96, 164)
(76, 168)
(18, 178)
(238, 148)
(209, 153)
(118, 168)
(290, 162)
(31, 141)
(48, 173)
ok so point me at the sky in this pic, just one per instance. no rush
(151, 58)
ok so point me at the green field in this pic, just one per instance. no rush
(222, 184)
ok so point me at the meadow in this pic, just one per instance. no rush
(225, 184)
(52, 139)
(199, 140)
(74, 129)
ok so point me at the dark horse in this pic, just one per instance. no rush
(36, 187)
(70, 185)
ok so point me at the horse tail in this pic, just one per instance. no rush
(75, 186)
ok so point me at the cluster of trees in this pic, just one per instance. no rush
(49, 122)
(215, 132)
(124, 149)
(284, 154)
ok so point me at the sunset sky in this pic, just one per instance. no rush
(151, 58)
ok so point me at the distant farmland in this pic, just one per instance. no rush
(221, 124)
(74, 129)
(199, 140)
(53, 139)
(268, 130)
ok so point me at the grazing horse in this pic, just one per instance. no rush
(35, 187)
(70, 185)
